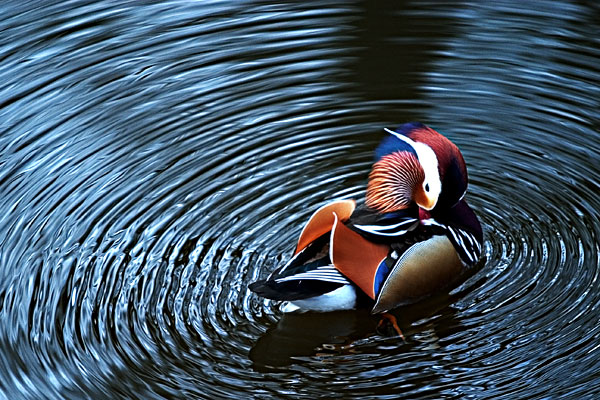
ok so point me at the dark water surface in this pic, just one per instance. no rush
(157, 157)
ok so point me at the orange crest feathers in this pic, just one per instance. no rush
(392, 181)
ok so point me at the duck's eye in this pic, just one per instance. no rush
(427, 187)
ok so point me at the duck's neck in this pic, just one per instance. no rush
(460, 215)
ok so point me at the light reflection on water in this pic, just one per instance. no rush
(157, 158)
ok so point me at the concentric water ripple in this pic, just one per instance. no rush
(156, 158)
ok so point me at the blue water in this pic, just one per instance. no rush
(157, 157)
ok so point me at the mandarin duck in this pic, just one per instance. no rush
(414, 235)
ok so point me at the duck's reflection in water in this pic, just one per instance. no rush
(300, 335)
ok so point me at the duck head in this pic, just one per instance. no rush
(416, 164)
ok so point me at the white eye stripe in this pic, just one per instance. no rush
(428, 161)
(405, 139)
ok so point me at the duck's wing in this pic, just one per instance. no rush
(383, 227)
(322, 220)
(361, 247)
(397, 273)
(420, 270)
(361, 260)
(431, 257)
(418, 259)
(309, 272)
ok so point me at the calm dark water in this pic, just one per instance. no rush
(157, 157)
